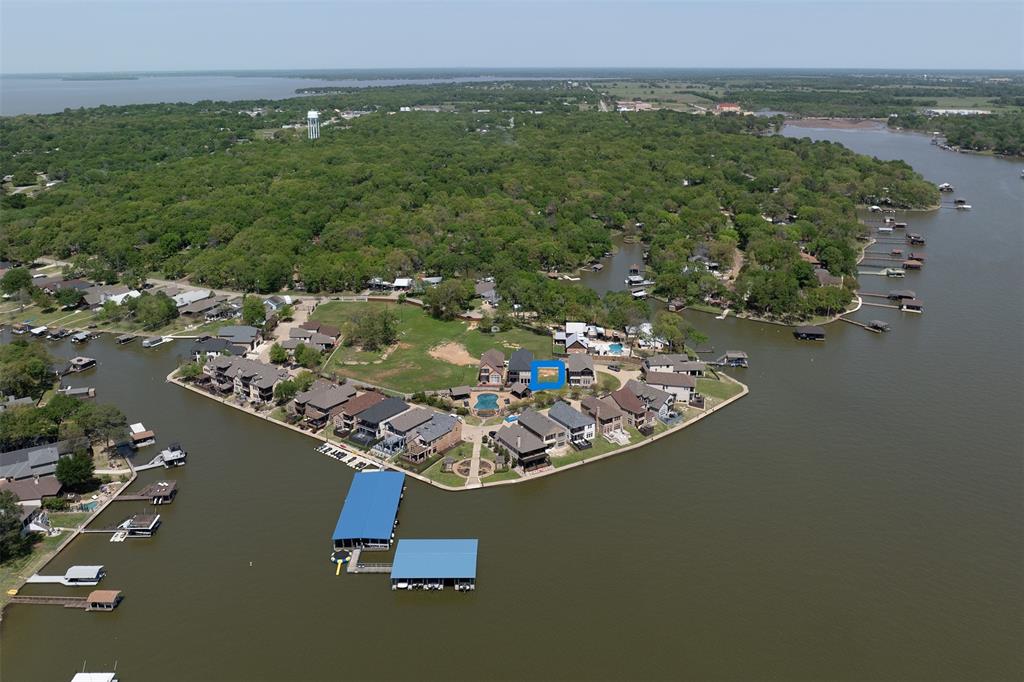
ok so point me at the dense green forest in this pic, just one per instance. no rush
(232, 200)
(999, 133)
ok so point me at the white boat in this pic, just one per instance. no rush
(887, 229)
(963, 207)
(155, 341)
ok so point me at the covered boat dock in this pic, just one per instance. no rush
(368, 517)
(435, 564)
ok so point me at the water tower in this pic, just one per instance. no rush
(313, 124)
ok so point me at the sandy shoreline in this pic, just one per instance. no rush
(837, 123)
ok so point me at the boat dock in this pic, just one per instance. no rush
(876, 326)
(357, 462)
(161, 492)
(98, 600)
(354, 566)
(75, 576)
(172, 456)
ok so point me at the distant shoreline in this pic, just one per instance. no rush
(837, 123)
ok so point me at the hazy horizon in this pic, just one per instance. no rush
(151, 36)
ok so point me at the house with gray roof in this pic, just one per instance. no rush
(209, 348)
(553, 434)
(439, 435)
(605, 412)
(655, 399)
(487, 291)
(677, 363)
(322, 402)
(582, 428)
(519, 367)
(682, 386)
(370, 424)
(38, 460)
(240, 335)
(250, 380)
(529, 450)
(579, 370)
(8, 401)
(409, 421)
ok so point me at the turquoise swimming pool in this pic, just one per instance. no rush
(487, 401)
(615, 348)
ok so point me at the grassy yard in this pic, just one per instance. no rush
(434, 473)
(68, 519)
(600, 447)
(722, 390)
(409, 367)
(509, 475)
(13, 572)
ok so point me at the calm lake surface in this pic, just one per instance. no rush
(27, 95)
(857, 516)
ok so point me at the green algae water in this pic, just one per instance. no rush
(857, 516)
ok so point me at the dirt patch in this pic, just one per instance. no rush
(453, 353)
(837, 123)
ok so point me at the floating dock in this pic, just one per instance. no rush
(162, 492)
(370, 512)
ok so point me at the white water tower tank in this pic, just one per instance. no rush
(313, 124)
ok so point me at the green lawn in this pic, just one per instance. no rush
(434, 473)
(722, 390)
(600, 447)
(68, 519)
(509, 475)
(409, 367)
(14, 571)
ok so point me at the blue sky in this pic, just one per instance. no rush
(161, 35)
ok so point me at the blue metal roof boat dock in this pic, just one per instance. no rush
(367, 519)
(433, 564)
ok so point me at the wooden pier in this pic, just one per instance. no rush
(66, 602)
(862, 325)
(881, 305)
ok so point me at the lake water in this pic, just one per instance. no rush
(27, 95)
(857, 516)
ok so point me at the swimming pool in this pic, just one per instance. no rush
(487, 401)
(615, 348)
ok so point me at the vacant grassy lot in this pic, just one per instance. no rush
(723, 390)
(408, 366)
(13, 572)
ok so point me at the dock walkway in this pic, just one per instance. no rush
(355, 567)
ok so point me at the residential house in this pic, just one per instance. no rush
(827, 279)
(251, 380)
(311, 338)
(345, 420)
(408, 421)
(187, 298)
(634, 409)
(728, 107)
(202, 307)
(519, 367)
(33, 490)
(322, 402)
(487, 291)
(9, 401)
(682, 386)
(553, 434)
(492, 368)
(655, 399)
(582, 428)
(440, 434)
(529, 450)
(325, 329)
(675, 363)
(37, 460)
(241, 335)
(579, 370)
(606, 414)
(371, 423)
(209, 348)
(118, 293)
